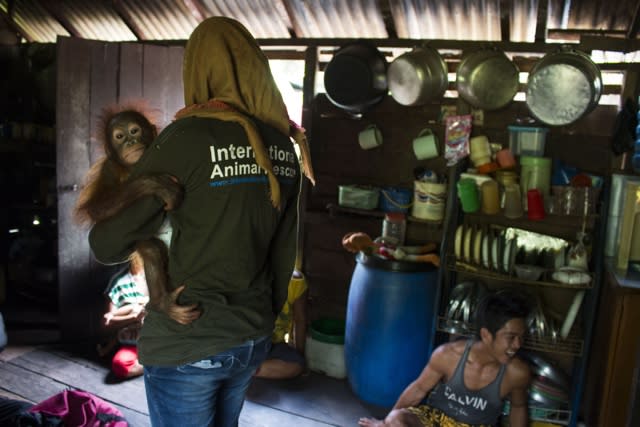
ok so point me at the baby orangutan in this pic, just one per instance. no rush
(126, 134)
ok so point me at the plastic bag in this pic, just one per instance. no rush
(457, 131)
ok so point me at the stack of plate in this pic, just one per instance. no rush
(485, 247)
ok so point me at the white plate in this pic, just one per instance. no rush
(486, 250)
(571, 276)
(571, 314)
(468, 236)
(506, 255)
(458, 242)
(495, 260)
(477, 246)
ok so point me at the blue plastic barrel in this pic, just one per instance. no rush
(389, 326)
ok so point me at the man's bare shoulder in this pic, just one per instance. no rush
(448, 353)
(518, 373)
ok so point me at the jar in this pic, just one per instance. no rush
(394, 228)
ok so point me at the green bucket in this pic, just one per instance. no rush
(328, 330)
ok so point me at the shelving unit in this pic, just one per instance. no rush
(576, 346)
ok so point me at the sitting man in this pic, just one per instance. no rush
(468, 380)
(286, 358)
(128, 294)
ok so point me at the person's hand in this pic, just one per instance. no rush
(108, 317)
(183, 314)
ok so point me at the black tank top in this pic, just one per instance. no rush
(482, 406)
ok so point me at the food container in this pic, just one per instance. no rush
(527, 140)
(358, 196)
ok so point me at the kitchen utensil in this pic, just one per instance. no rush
(468, 237)
(370, 137)
(418, 76)
(425, 145)
(571, 276)
(487, 79)
(356, 77)
(458, 242)
(477, 246)
(528, 272)
(572, 314)
(535, 205)
(563, 86)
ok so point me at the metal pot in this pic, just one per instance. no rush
(356, 77)
(487, 79)
(563, 86)
(418, 76)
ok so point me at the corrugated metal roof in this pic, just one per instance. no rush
(491, 20)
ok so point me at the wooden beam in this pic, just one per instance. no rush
(54, 10)
(13, 26)
(196, 8)
(121, 11)
(541, 22)
(635, 23)
(297, 30)
(609, 43)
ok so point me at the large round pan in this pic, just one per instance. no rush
(487, 79)
(418, 77)
(356, 77)
(563, 86)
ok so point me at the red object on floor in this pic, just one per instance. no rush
(124, 359)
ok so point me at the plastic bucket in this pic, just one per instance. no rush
(429, 200)
(389, 326)
(395, 199)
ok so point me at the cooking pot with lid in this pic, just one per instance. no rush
(563, 86)
(418, 76)
(356, 77)
(487, 79)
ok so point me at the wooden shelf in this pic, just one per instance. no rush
(462, 267)
(571, 346)
(337, 209)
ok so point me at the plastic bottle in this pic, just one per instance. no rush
(394, 228)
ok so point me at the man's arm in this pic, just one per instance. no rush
(519, 414)
(429, 377)
(521, 374)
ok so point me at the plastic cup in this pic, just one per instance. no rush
(535, 205)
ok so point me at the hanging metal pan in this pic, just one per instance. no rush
(418, 77)
(563, 86)
(487, 79)
(356, 77)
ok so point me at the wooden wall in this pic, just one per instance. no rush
(92, 75)
(338, 160)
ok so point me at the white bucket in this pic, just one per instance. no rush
(429, 200)
(326, 358)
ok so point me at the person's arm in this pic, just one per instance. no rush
(300, 322)
(519, 413)
(113, 239)
(124, 315)
(429, 377)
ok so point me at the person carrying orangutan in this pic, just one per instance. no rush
(234, 235)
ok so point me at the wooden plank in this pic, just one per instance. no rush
(175, 89)
(156, 81)
(20, 382)
(257, 415)
(130, 83)
(321, 398)
(73, 136)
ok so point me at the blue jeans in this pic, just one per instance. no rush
(209, 392)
